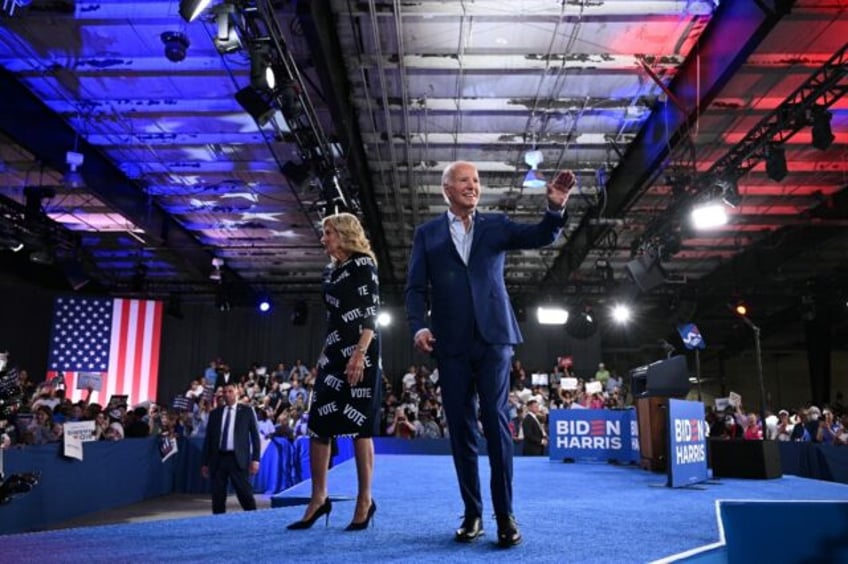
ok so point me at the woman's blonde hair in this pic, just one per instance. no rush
(351, 234)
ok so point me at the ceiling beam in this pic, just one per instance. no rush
(31, 124)
(318, 24)
(668, 126)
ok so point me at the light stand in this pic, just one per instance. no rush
(759, 353)
(698, 371)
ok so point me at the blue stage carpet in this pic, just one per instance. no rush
(581, 512)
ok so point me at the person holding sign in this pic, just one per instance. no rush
(231, 451)
(456, 270)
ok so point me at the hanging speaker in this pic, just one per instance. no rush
(646, 272)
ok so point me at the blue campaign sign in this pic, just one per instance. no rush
(691, 335)
(688, 443)
(593, 434)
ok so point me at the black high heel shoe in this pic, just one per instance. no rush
(325, 509)
(354, 526)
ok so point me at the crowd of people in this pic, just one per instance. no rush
(411, 407)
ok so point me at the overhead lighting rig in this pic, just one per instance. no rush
(276, 87)
(806, 106)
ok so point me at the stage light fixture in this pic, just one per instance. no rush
(190, 9)
(822, 134)
(176, 45)
(73, 178)
(384, 319)
(621, 314)
(261, 72)
(288, 93)
(551, 315)
(708, 216)
(645, 271)
(533, 179)
(581, 325)
(776, 163)
(741, 308)
(264, 305)
(255, 104)
(226, 39)
(215, 275)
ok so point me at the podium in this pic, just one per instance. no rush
(652, 414)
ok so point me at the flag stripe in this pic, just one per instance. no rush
(83, 332)
(155, 342)
(138, 335)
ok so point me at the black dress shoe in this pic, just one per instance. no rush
(508, 533)
(471, 528)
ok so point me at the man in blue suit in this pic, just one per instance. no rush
(456, 268)
(231, 451)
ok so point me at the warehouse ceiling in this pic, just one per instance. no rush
(149, 155)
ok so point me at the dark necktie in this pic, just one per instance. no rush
(226, 429)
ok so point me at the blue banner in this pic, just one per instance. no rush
(687, 431)
(593, 434)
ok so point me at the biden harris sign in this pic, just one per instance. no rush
(593, 434)
(688, 443)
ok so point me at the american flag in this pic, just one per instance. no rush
(118, 338)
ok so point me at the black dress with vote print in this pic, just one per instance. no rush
(351, 295)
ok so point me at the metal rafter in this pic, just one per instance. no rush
(667, 126)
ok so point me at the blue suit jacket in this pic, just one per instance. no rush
(245, 437)
(460, 295)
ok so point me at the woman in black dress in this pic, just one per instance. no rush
(345, 399)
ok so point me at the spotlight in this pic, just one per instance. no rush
(646, 271)
(534, 178)
(581, 325)
(384, 319)
(226, 39)
(822, 133)
(190, 9)
(73, 178)
(217, 263)
(708, 216)
(741, 309)
(261, 72)
(776, 163)
(289, 96)
(264, 305)
(551, 315)
(176, 45)
(254, 103)
(621, 314)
